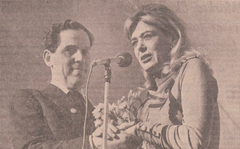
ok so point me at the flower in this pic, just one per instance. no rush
(123, 110)
(98, 122)
(119, 112)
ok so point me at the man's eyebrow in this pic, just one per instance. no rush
(69, 46)
(84, 48)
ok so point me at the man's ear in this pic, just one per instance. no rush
(47, 57)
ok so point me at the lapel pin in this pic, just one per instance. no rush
(73, 110)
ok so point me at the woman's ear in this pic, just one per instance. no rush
(47, 57)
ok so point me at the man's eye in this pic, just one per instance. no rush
(85, 52)
(71, 51)
(68, 52)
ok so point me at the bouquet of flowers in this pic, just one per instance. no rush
(121, 111)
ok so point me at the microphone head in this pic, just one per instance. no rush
(126, 59)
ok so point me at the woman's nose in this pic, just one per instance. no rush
(142, 48)
(78, 56)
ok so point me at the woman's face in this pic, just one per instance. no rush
(151, 47)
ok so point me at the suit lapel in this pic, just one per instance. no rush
(56, 95)
(73, 108)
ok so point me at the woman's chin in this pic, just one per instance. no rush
(149, 70)
(153, 69)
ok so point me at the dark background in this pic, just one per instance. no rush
(213, 28)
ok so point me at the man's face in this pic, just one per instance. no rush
(71, 60)
(151, 46)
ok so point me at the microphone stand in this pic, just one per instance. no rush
(107, 76)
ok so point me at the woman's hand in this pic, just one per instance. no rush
(119, 137)
(123, 141)
(112, 132)
(129, 128)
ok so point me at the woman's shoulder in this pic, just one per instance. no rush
(196, 70)
(195, 66)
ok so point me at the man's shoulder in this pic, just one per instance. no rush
(32, 93)
(28, 98)
(25, 93)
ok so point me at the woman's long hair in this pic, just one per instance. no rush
(170, 24)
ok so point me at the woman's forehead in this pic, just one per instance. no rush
(147, 18)
(141, 28)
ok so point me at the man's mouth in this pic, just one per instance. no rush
(78, 67)
(146, 58)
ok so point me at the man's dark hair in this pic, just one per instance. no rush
(52, 39)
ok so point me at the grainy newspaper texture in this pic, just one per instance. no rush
(213, 27)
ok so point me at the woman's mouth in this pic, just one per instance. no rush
(146, 58)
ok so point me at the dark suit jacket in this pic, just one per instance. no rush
(46, 119)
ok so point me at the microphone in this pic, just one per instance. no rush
(123, 59)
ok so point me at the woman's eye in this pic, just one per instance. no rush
(147, 36)
(134, 43)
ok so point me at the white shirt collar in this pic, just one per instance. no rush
(61, 86)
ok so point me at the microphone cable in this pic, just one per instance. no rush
(86, 109)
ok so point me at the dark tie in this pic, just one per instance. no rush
(77, 97)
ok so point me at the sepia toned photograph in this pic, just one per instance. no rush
(120, 74)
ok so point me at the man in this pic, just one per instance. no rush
(54, 117)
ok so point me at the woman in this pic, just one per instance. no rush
(178, 104)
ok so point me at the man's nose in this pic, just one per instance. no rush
(78, 56)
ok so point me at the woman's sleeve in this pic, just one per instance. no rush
(198, 95)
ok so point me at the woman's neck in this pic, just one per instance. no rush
(162, 71)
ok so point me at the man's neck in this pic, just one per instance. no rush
(64, 83)
(60, 86)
